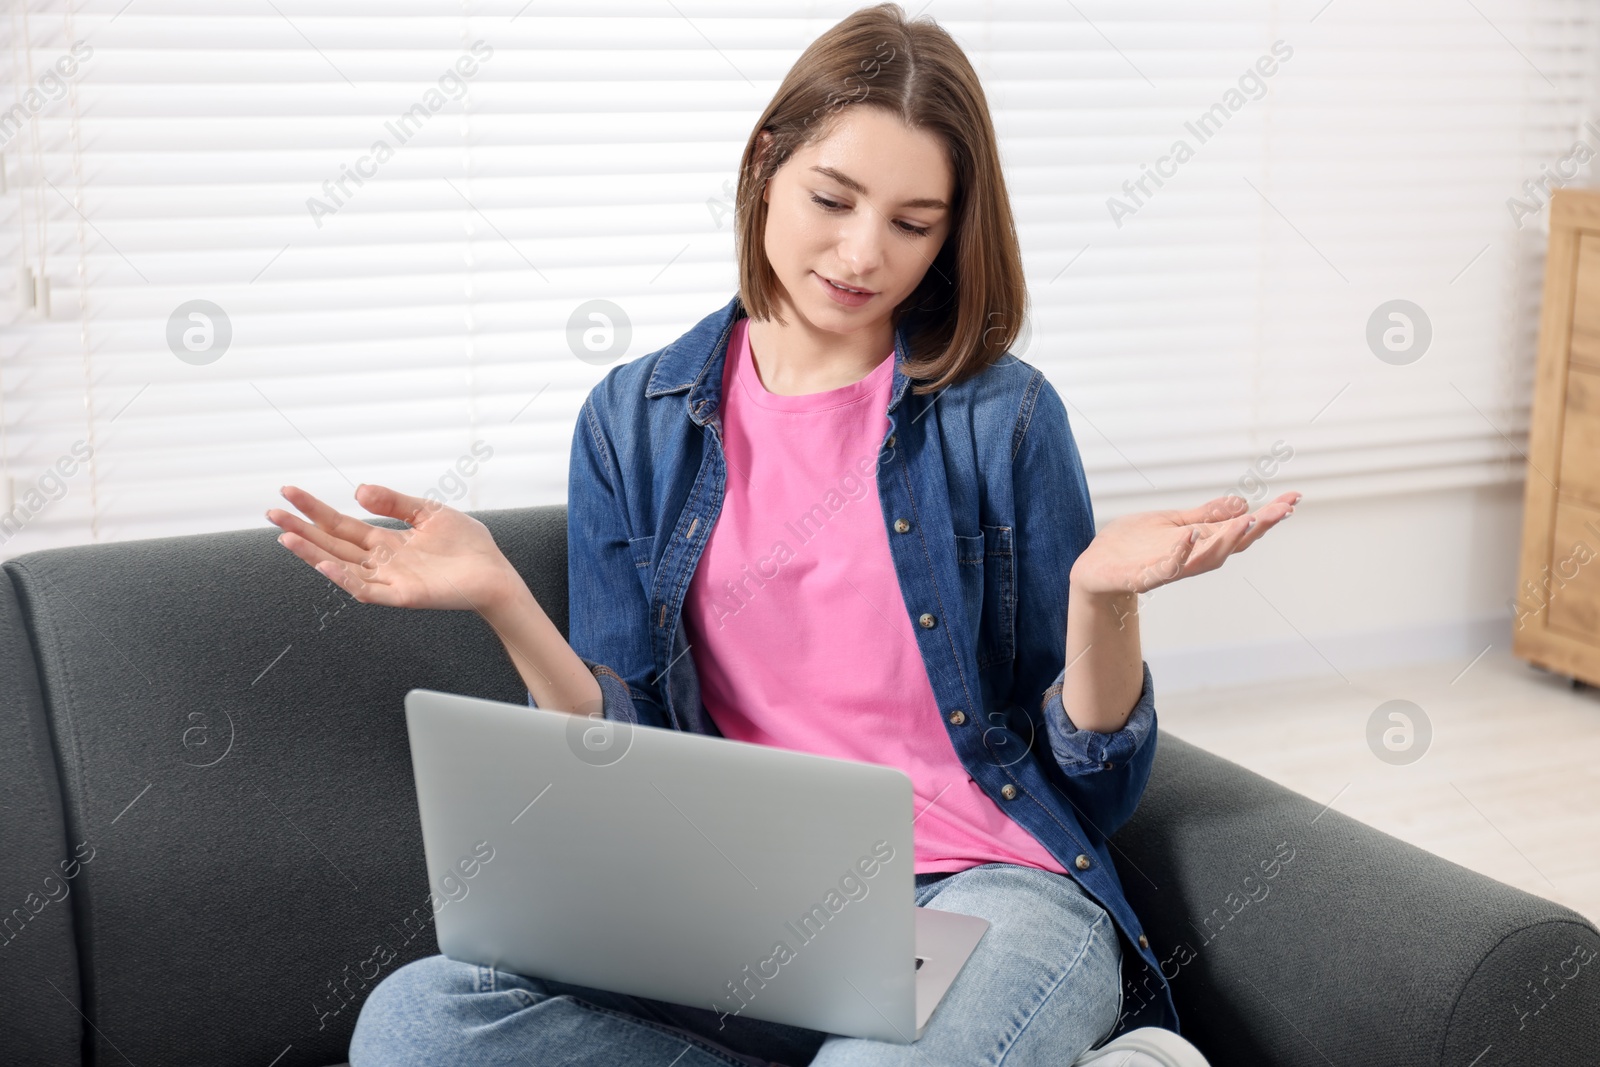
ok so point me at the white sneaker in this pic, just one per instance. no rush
(1148, 1046)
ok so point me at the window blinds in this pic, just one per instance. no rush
(344, 241)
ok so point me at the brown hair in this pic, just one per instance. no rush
(968, 309)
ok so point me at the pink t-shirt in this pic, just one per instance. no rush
(795, 619)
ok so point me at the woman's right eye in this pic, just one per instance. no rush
(829, 204)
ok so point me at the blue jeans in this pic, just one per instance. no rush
(1042, 987)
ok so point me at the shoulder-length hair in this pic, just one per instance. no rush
(969, 307)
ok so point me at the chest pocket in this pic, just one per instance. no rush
(989, 591)
(642, 550)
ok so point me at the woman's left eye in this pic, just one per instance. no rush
(905, 227)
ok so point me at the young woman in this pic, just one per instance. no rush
(838, 516)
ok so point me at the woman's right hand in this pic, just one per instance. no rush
(446, 559)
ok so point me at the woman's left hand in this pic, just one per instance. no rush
(1139, 552)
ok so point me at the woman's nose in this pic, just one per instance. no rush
(861, 246)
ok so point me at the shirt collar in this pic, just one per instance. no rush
(686, 363)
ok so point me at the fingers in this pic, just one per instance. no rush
(381, 500)
(1217, 509)
(314, 546)
(333, 522)
(1280, 508)
(1269, 516)
(350, 541)
(311, 544)
(1214, 542)
(1229, 506)
(343, 549)
(1264, 521)
(1242, 531)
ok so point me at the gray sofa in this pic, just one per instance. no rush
(212, 854)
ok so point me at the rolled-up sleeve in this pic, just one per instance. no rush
(616, 699)
(1087, 751)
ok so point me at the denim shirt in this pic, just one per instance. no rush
(986, 506)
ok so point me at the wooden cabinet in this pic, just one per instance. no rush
(1556, 612)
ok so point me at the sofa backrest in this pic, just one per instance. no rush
(234, 763)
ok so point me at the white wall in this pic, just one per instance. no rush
(1343, 586)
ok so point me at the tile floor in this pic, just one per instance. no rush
(1508, 784)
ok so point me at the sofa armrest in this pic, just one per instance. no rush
(1293, 935)
(39, 977)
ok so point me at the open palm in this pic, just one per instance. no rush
(446, 559)
(1139, 552)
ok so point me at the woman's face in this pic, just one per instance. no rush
(867, 207)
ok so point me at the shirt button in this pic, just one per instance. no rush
(1008, 791)
(958, 717)
(1107, 765)
(890, 442)
(926, 620)
(1144, 942)
(901, 526)
(1083, 863)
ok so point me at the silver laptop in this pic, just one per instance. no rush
(750, 880)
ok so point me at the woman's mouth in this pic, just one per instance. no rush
(847, 295)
